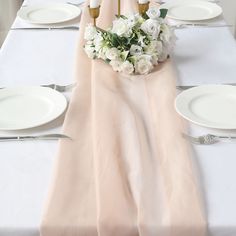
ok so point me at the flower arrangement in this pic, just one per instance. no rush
(134, 44)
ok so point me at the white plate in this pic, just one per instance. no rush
(49, 13)
(28, 107)
(192, 10)
(212, 106)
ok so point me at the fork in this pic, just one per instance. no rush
(34, 137)
(208, 139)
(71, 3)
(60, 88)
(76, 4)
(47, 28)
(185, 87)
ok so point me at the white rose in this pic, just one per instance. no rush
(151, 27)
(98, 42)
(121, 28)
(154, 47)
(155, 59)
(90, 51)
(163, 56)
(127, 67)
(112, 54)
(116, 65)
(158, 47)
(165, 52)
(90, 32)
(143, 65)
(166, 33)
(102, 53)
(153, 13)
(168, 38)
(141, 40)
(132, 20)
(136, 50)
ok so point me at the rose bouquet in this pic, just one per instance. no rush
(134, 44)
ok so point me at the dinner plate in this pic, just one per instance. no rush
(28, 107)
(49, 13)
(212, 106)
(192, 10)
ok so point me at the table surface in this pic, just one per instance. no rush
(201, 56)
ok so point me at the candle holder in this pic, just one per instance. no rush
(94, 13)
(143, 7)
(119, 8)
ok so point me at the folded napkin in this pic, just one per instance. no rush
(128, 170)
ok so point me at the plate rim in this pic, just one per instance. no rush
(202, 124)
(30, 88)
(23, 10)
(216, 6)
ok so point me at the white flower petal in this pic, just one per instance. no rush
(153, 13)
(127, 68)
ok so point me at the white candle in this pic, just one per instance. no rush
(94, 3)
(143, 1)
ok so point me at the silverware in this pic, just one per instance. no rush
(206, 25)
(163, 2)
(47, 28)
(36, 137)
(71, 3)
(208, 139)
(183, 87)
(76, 4)
(59, 88)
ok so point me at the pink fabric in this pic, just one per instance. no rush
(128, 170)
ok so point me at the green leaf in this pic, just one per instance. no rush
(163, 13)
(132, 60)
(124, 17)
(115, 40)
(145, 16)
(121, 16)
(124, 55)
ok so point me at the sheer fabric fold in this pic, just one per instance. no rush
(128, 171)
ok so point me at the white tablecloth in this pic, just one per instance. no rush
(202, 55)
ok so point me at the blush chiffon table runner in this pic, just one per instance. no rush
(127, 171)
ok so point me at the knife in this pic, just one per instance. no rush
(164, 2)
(181, 26)
(185, 87)
(35, 137)
(48, 28)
